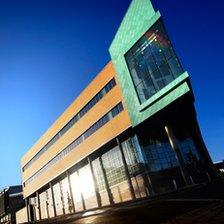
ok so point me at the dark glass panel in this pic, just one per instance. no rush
(175, 67)
(152, 62)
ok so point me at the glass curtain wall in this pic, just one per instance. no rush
(108, 167)
(163, 167)
(117, 180)
(152, 62)
(152, 166)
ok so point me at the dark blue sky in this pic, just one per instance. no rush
(51, 49)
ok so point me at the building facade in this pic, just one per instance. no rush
(11, 200)
(132, 133)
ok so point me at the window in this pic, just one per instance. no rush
(78, 116)
(188, 150)
(158, 151)
(152, 62)
(113, 166)
(102, 121)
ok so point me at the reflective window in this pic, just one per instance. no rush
(136, 166)
(161, 156)
(114, 167)
(159, 153)
(189, 151)
(131, 156)
(98, 174)
(152, 62)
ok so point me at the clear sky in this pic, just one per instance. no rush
(51, 49)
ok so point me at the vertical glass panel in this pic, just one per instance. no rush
(131, 157)
(189, 151)
(158, 79)
(152, 62)
(175, 67)
(76, 191)
(66, 196)
(87, 186)
(43, 205)
(156, 50)
(58, 199)
(50, 205)
(100, 182)
(114, 167)
(34, 206)
(160, 155)
(166, 73)
(112, 162)
(149, 58)
(163, 166)
(146, 89)
(189, 146)
(134, 161)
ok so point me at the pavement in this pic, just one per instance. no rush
(167, 212)
(212, 214)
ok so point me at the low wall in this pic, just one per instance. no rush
(21, 216)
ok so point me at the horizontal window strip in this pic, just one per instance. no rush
(79, 115)
(101, 122)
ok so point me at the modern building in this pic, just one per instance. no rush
(132, 133)
(219, 166)
(11, 200)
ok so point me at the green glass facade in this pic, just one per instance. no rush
(152, 62)
(141, 22)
